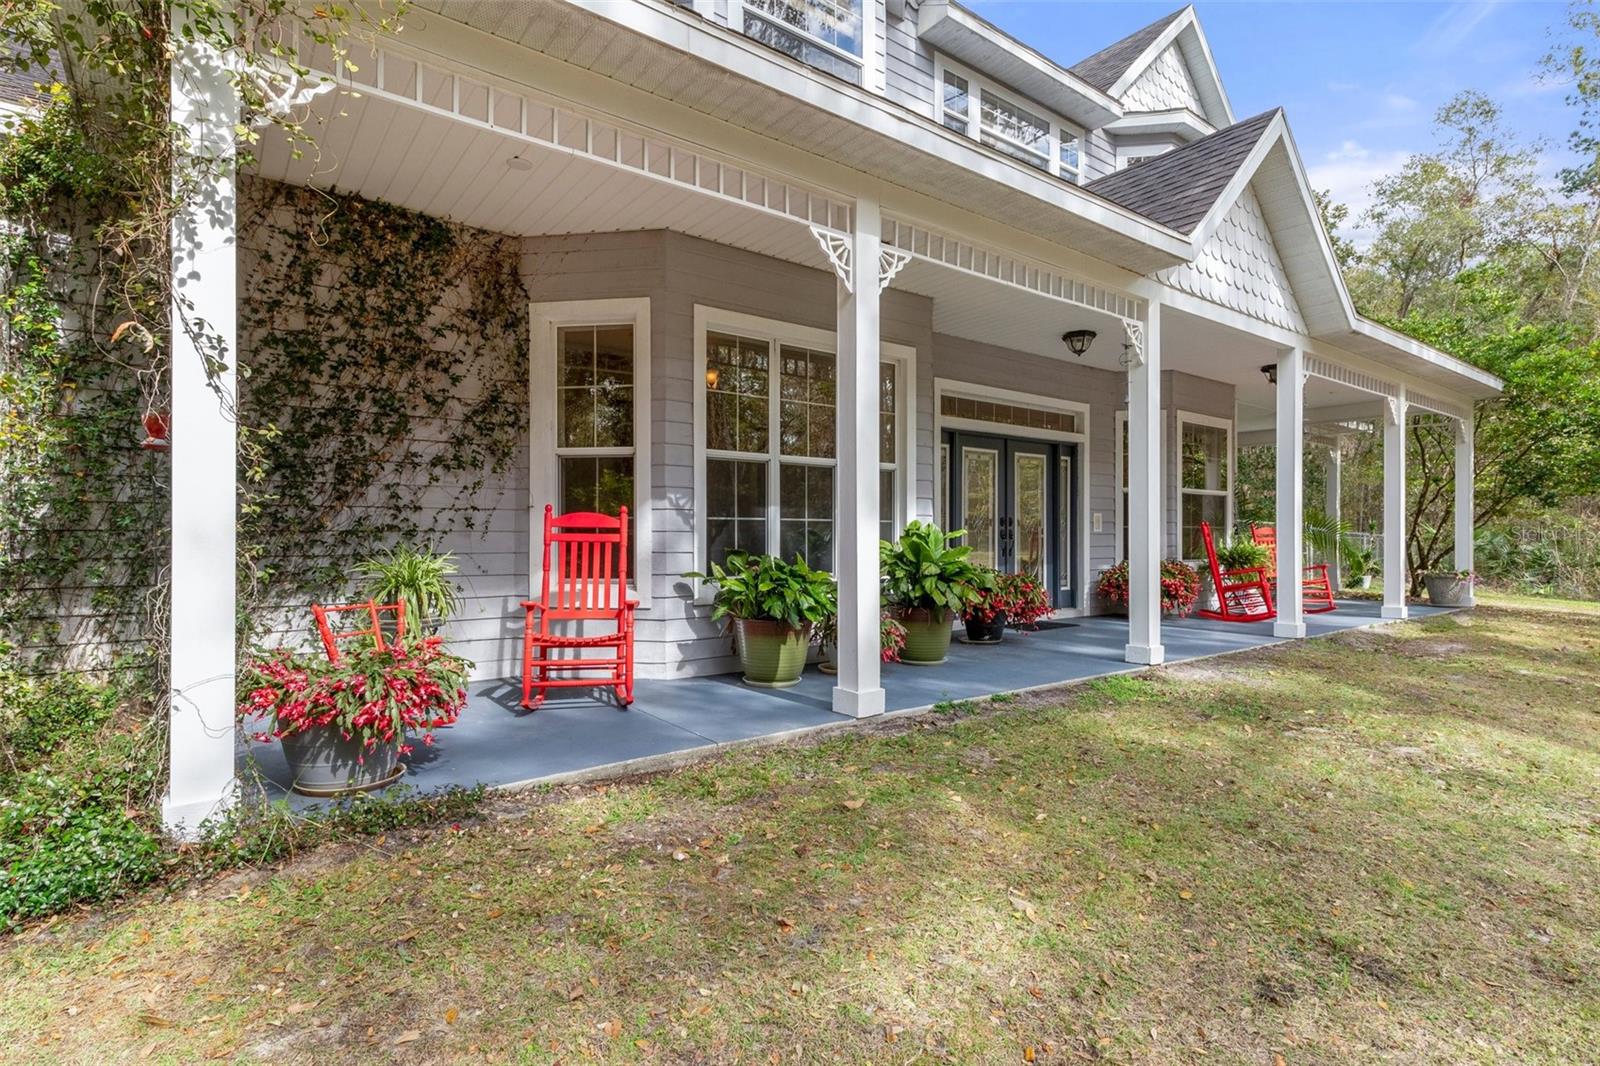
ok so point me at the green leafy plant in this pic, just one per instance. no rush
(764, 587)
(418, 578)
(1358, 563)
(1243, 555)
(923, 569)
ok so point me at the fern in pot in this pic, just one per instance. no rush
(419, 578)
(772, 607)
(927, 580)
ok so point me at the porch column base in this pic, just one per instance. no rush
(1145, 654)
(1289, 630)
(853, 704)
(1395, 611)
(184, 820)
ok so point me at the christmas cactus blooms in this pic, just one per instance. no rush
(371, 696)
(1017, 599)
(1180, 586)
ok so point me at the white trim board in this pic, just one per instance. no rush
(544, 320)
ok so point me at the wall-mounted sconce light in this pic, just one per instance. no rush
(1271, 373)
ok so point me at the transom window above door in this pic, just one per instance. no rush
(978, 108)
(770, 441)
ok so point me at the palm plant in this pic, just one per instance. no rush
(418, 578)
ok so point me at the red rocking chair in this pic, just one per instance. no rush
(370, 612)
(589, 585)
(1316, 588)
(1242, 595)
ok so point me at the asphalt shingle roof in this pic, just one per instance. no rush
(1179, 188)
(1107, 65)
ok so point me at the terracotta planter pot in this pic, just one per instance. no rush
(772, 654)
(980, 632)
(927, 635)
(323, 763)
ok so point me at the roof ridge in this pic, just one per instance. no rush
(1103, 68)
(1179, 188)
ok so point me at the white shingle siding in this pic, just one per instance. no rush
(1164, 85)
(1240, 268)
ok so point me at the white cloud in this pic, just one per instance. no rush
(1398, 102)
(1348, 173)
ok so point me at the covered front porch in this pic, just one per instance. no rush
(575, 736)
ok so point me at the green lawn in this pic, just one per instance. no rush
(1378, 846)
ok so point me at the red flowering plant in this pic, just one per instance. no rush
(371, 695)
(891, 637)
(1180, 586)
(1018, 598)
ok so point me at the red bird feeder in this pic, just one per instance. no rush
(157, 433)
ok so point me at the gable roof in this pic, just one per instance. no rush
(1107, 66)
(1180, 188)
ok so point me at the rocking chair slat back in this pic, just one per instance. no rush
(369, 611)
(585, 563)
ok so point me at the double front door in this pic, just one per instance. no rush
(1016, 498)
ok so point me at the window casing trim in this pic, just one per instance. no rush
(1192, 418)
(709, 320)
(976, 85)
(546, 320)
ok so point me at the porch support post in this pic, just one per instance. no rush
(1334, 464)
(204, 111)
(1145, 498)
(1466, 503)
(859, 692)
(1394, 506)
(1291, 621)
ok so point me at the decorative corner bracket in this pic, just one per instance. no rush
(1394, 410)
(836, 246)
(890, 262)
(1132, 343)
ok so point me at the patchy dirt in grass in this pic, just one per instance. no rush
(1297, 855)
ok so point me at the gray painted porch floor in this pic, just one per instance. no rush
(496, 743)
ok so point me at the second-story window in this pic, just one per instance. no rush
(825, 34)
(995, 117)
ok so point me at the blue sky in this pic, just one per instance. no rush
(1361, 80)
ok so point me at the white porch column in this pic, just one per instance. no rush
(1394, 506)
(1334, 466)
(1466, 503)
(859, 692)
(1291, 621)
(1145, 498)
(204, 443)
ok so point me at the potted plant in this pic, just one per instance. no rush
(1012, 599)
(1450, 589)
(418, 578)
(1180, 586)
(344, 726)
(891, 640)
(1359, 566)
(773, 606)
(926, 581)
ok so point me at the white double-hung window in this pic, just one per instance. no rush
(825, 34)
(978, 108)
(768, 424)
(1205, 467)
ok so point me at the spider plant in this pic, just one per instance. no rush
(418, 578)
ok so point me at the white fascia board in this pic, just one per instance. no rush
(964, 35)
(688, 33)
(1465, 378)
(1178, 120)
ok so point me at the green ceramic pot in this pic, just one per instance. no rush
(927, 635)
(771, 653)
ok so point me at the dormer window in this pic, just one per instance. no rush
(825, 34)
(976, 108)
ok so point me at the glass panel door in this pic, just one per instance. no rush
(980, 510)
(1030, 512)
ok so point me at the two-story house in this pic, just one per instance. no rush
(829, 266)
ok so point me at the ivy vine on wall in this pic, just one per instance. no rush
(383, 382)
